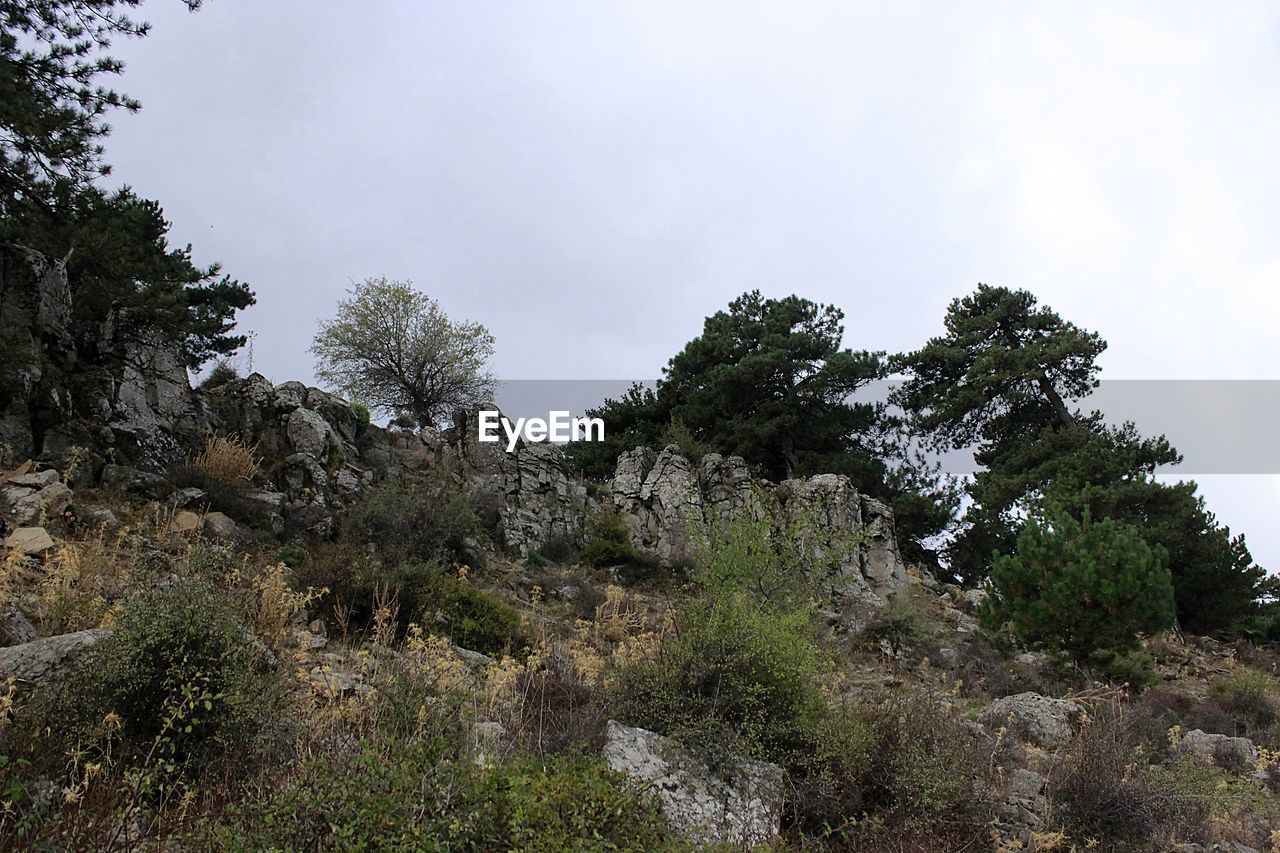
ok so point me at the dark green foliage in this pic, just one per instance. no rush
(52, 56)
(1002, 381)
(120, 264)
(608, 541)
(470, 617)
(1080, 586)
(411, 520)
(419, 794)
(636, 419)
(769, 381)
(361, 411)
(1004, 367)
(180, 671)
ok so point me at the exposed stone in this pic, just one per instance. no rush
(16, 628)
(1230, 753)
(40, 660)
(189, 496)
(48, 503)
(101, 518)
(30, 540)
(740, 807)
(34, 479)
(488, 740)
(308, 433)
(184, 521)
(1041, 720)
(218, 525)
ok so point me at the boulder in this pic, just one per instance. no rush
(309, 433)
(49, 502)
(218, 525)
(16, 628)
(740, 807)
(32, 541)
(184, 521)
(100, 517)
(1040, 720)
(34, 479)
(1230, 753)
(46, 658)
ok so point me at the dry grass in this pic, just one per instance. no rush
(226, 461)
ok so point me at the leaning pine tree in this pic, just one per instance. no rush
(1080, 586)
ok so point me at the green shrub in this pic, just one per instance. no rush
(1079, 586)
(419, 794)
(930, 774)
(413, 520)
(1248, 694)
(608, 541)
(1136, 668)
(732, 680)
(223, 371)
(361, 411)
(472, 618)
(180, 673)
(903, 623)
(1100, 790)
(690, 448)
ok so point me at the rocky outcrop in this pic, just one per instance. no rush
(122, 386)
(536, 497)
(740, 807)
(1040, 720)
(46, 658)
(665, 500)
(1230, 753)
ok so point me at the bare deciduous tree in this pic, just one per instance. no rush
(392, 348)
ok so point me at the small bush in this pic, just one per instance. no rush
(415, 795)
(682, 437)
(902, 623)
(1136, 668)
(222, 373)
(608, 541)
(930, 776)
(412, 520)
(560, 549)
(1079, 586)
(1099, 787)
(225, 461)
(179, 673)
(1249, 696)
(361, 411)
(472, 618)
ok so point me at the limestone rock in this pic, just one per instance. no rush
(49, 502)
(30, 540)
(218, 525)
(1041, 720)
(696, 800)
(40, 660)
(308, 433)
(34, 479)
(1230, 753)
(16, 628)
(101, 518)
(185, 521)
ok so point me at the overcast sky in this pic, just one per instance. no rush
(591, 179)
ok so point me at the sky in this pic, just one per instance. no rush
(591, 179)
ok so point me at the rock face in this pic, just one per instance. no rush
(122, 387)
(1041, 720)
(665, 500)
(743, 810)
(46, 658)
(536, 496)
